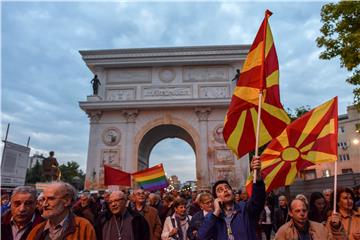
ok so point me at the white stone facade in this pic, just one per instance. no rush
(147, 95)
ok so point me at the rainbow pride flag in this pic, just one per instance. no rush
(151, 178)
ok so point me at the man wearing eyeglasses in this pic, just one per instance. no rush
(206, 203)
(121, 223)
(230, 220)
(60, 222)
(148, 212)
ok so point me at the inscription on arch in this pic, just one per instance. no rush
(167, 92)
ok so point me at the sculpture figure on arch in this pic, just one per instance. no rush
(95, 84)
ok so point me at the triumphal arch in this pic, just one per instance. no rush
(149, 94)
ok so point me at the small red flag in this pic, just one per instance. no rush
(113, 176)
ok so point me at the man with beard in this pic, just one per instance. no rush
(176, 225)
(120, 222)
(60, 222)
(230, 220)
(299, 227)
(17, 223)
(148, 212)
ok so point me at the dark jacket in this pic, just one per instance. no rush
(6, 232)
(244, 221)
(195, 223)
(140, 226)
(281, 216)
(193, 209)
(151, 216)
(88, 212)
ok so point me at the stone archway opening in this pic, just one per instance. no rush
(156, 136)
(172, 151)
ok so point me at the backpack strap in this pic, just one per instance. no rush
(173, 222)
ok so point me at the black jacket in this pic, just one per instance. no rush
(140, 226)
(6, 231)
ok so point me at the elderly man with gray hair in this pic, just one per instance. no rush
(120, 222)
(17, 223)
(60, 222)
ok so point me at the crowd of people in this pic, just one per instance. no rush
(59, 212)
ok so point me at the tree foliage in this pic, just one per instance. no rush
(297, 112)
(341, 38)
(34, 174)
(70, 173)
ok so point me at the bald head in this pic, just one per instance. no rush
(298, 212)
(117, 202)
(63, 189)
(117, 194)
(297, 202)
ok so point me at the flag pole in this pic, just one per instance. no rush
(267, 15)
(336, 164)
(335, 185)
(257, 133)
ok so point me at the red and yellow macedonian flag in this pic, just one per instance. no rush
(260, 72)
(309, 140)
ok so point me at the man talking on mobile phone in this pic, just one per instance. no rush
(231, 220)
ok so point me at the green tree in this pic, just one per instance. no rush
(34, 174)
(297, 112)
(341, 38)
(71, 173)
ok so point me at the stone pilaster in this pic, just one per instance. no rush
(202, 164)
(92, 168)
(131, 163)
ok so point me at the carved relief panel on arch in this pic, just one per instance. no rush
(167, 74)
(216, 73)
(111, 136)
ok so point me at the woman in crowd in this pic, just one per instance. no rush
(345, 223)
(317, 211)
(266, 220)
(176, 225)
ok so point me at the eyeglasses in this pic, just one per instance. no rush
(117, 200)
(139, 193)
(207, 202)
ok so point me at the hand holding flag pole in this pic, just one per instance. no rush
(257, 136)
(256, 166)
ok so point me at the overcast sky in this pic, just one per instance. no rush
(44, 78)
